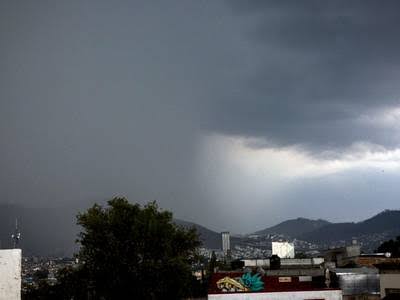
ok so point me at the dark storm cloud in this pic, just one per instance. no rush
(317, 67)
(101, 98)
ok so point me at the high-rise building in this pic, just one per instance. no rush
(226, 242)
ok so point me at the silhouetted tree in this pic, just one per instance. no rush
(392, 246)
(72, 283)
(275, 262)
(135, 251)
(237, 264)
(301, 255)
(40, 274)
(212, 264)
(128, 252)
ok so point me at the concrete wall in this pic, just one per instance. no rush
(301, 261)
(353, 250)
(389, 281)
(284, 262)
(323, 294)
(343, 255)
(362, 297)
(256, 262)
(10, 274)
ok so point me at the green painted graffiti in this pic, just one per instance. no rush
(253, 282)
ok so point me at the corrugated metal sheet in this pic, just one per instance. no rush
(358, 281)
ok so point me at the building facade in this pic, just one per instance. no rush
(358, 283)
(389, 279)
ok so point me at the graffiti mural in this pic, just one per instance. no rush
(246, 283)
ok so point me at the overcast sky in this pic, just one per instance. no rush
(232, 114)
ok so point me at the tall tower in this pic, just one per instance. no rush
(226, 242)
(16, 236)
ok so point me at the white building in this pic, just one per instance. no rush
(10, 274)
(226, 242)
(283, 249)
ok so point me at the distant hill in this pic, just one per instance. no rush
(209, 238)
(52, 232)
(295, 227)
(374, 230)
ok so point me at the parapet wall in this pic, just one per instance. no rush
(10, 274)
(285, 262)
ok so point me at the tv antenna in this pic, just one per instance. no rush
(16, 236)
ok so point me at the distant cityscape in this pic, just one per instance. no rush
(356, 274)
(256, 246)
(336, 251)
(310, 237)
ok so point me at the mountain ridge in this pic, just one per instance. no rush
(210, 238)
(386, 222)
(294, 227)
(45, 236)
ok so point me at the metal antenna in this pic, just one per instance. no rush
(16, 236)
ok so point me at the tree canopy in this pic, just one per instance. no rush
(130, 252)
(136, 251)
(392, 246)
